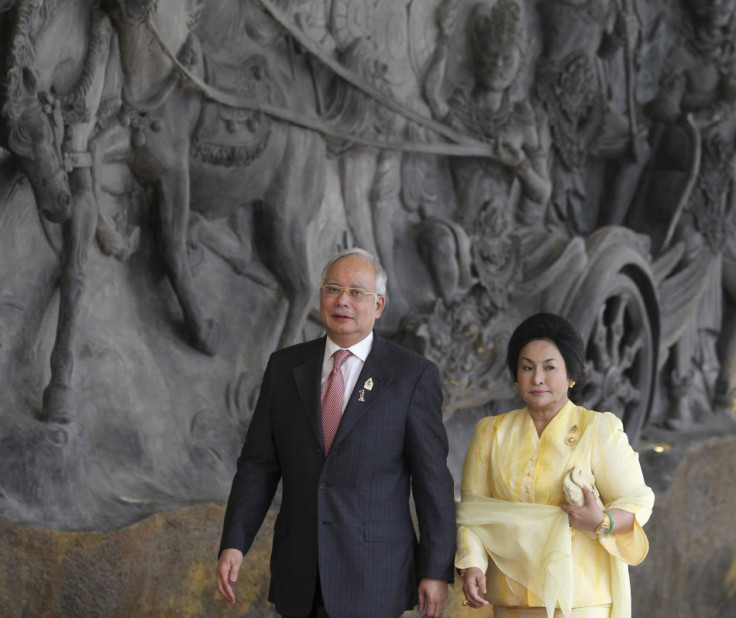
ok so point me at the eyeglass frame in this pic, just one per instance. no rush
(346, 290)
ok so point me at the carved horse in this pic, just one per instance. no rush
(32, 126)
(58, 54)
(272, 166)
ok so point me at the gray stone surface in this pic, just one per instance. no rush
(690, 567)
(605, 196)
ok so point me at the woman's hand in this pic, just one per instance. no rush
(587, 517)
(474, 586)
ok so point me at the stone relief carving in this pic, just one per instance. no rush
(51, 135)
(500, 156)
(486, 204)
(696, 98)
(587, 124)
(251, 160)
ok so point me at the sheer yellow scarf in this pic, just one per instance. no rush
(532, 544)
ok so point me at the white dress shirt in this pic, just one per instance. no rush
(352, 366)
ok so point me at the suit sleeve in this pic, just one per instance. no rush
(257, 476)
(432, 484)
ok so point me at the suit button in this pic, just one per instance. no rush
(323, 485)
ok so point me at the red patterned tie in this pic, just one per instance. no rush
(332, 395)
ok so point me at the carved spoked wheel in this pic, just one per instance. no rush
(621, 355)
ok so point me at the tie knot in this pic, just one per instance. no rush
(340, 356)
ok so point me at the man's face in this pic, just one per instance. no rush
(348, 320)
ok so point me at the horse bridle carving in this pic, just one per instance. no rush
(50, 106)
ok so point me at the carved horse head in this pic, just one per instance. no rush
(33, 119)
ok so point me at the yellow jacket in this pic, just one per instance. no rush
(510, 524)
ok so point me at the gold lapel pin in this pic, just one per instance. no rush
(571, 439)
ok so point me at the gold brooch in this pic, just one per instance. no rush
(571, 439)
(368, 384)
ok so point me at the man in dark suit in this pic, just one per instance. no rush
(344, 542)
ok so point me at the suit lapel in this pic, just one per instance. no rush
(374, 377)
(308, 377)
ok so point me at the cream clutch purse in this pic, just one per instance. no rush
(573, 483)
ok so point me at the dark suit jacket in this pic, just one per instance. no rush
(348, 514)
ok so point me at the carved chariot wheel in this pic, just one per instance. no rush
(617, 312)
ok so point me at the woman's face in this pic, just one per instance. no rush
(541, 376)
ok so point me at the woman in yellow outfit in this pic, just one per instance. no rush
(521, 547)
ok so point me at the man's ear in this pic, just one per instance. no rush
(380, 305)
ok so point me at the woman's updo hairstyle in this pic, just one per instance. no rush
(563, 334)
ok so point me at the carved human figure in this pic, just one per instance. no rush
(584, 122)
(493, 194)
(698, 77)
(698, 88)
(371, 43)
(370, 177)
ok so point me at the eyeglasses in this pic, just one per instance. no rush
(335, 291)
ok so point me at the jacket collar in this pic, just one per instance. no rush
(378, 371)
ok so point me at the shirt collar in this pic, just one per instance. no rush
(360, 349)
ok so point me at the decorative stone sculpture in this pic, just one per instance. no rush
(265, 167)
(53, 106)
(584, 123)
(220, 151)
(486, 205)
(697, 91)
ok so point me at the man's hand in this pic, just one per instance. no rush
(433, 595)
(228, 568)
